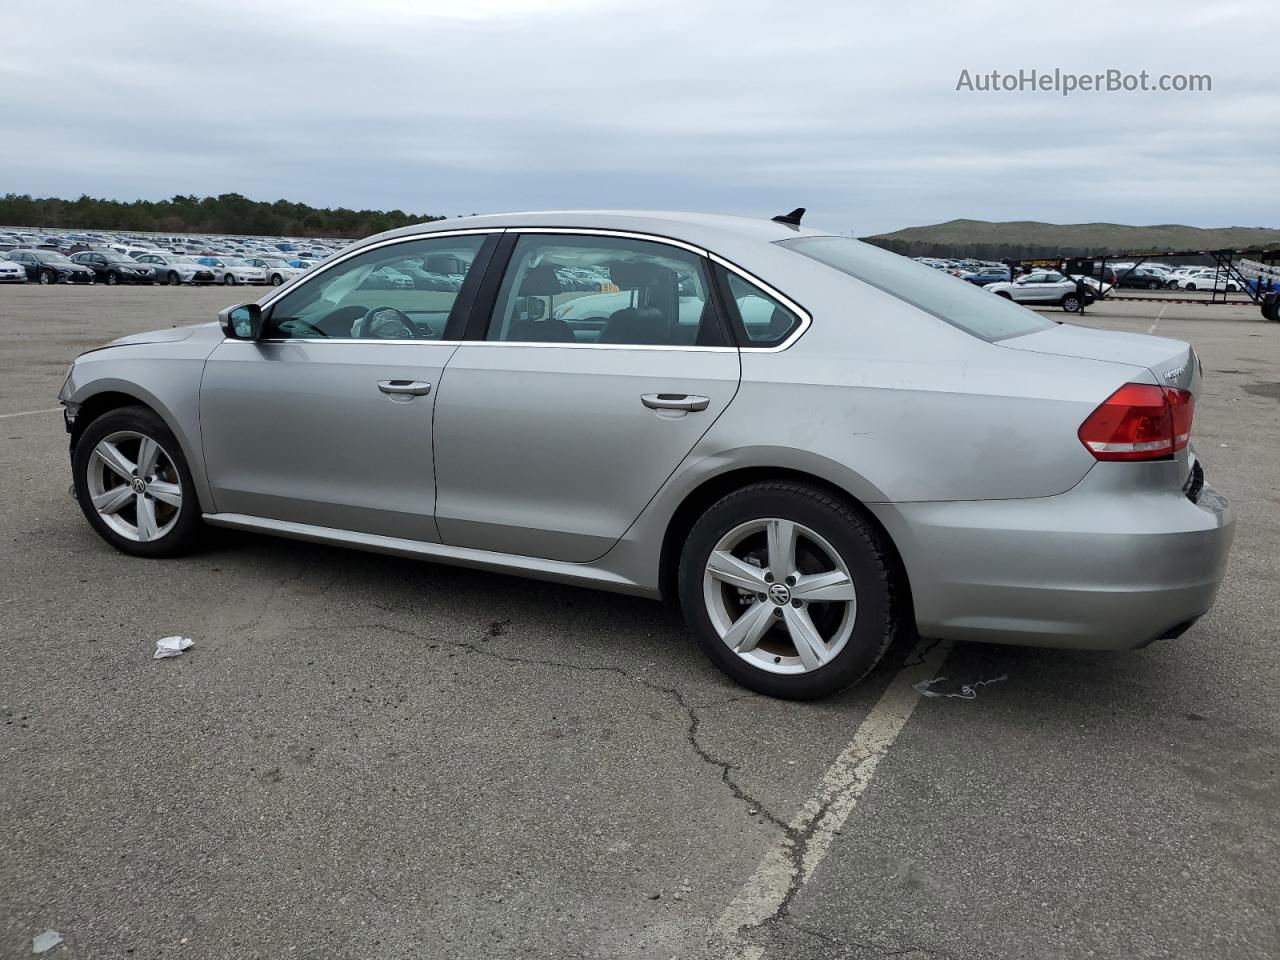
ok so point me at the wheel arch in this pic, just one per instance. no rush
(103, 396)
(698, 500)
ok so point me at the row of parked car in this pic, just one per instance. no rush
(113, 259)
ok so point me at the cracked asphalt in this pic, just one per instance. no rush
(364, 756)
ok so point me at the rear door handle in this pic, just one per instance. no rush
(405, 388)
(674, 401)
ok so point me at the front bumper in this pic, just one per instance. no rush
(1110, 565)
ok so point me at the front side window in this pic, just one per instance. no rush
(613, 291)
(963, 305)
(388, 293)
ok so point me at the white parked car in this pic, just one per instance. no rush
(1042, 287)
(1206, 280)
(233, 270)
(11, 272)
(278, 270)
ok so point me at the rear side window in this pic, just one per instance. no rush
(759, 318)
(964, 305)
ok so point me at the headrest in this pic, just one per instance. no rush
(443, 263)
(630, 275)
(540, 281)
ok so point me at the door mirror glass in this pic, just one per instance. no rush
(242, 322)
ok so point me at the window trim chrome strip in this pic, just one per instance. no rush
(806, 318)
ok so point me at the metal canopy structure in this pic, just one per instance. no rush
(1226, 262)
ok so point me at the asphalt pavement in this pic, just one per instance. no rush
(364, 756)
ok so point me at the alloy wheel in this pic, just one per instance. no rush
(779, 596)
(134, 485)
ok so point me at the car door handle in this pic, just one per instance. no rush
(405, 388)
(674, 401)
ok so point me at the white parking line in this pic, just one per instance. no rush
(1159, 316)
(28, 413)
(794, 859)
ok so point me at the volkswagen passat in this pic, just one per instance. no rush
(833, 445)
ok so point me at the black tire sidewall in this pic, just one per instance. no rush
(140, 420)
(1070, 299)
(859, 548)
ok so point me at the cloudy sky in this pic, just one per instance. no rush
(460, 106)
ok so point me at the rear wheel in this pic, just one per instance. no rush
(788, 590)
(134, 486)
(1072, 303)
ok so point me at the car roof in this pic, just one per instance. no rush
(710, 230)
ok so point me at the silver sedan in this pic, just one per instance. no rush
(814, 444)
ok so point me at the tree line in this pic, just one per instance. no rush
(228, 213)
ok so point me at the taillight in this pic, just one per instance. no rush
(1140, 421)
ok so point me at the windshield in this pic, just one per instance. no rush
(44, 256)
(118, 258)
(234, 262)
(961, 304)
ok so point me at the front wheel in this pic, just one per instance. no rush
(276, 279)
(47, 277)
(174, 279)
(112, 279)
(134, 486)
(1001, 293)
(229, 280)
(1153, 285)
(788, 590)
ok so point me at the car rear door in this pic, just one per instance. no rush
(327, 420)
(551, 436)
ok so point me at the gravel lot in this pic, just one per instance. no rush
(369, 757)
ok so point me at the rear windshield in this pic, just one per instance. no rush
(961, 304)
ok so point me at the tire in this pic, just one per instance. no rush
(830, 536)
(1002, 293)
(1188, 286)
(1232, 288)
(175, 528)
(112, 279)
(1072, 303)
(174, 279)
(276, 279)
(228, 280)
(47, 277)
(1153, 284)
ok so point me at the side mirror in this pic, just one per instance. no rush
(242, 322)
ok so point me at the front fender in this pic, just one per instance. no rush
(167, 384)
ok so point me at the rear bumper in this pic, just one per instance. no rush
(1106, 566)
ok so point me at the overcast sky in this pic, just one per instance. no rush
(849, 109)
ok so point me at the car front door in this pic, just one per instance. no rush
(552, 434)
(327, 419)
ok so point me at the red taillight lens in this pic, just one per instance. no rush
(1140, 421)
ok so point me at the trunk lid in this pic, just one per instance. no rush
(1172, 363)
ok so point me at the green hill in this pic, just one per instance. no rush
(1027, 239)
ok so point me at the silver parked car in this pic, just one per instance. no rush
(885, 448)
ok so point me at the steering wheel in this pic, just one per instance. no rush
(385, 323)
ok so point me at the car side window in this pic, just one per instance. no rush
(402, 291)
(610, 291)
(760, 319)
